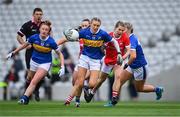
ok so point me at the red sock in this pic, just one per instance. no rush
(69, 99)
(114, 93)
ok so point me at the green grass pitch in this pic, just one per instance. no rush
(56, 108)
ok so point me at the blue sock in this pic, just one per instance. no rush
(77, 99)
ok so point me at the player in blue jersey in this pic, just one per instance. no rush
(136, 68)
(84, 24)
(41, 58)
(90, 58)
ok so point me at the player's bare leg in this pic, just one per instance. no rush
(99, 82)
(75, 76)
(122, 78)
(37, 76)
(92, 81)
(116, 85)
(78, 85)
(40, 73)
(146, 88)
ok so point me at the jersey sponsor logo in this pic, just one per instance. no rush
(93, 43)
(34, 30)
(41, 48)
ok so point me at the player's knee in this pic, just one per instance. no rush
(121, 81)
(92, 84)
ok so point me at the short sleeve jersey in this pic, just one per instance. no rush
(92, 43)
(28, 29)
(136, 46)
(111, 52)
(42, 48)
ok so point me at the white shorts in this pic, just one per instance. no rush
(89, 63)
(139, 73)
(106, 68)
(34, 66)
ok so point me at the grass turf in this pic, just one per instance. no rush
(56, 108)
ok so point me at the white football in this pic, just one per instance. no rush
(71, 34)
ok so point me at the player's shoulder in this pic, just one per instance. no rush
(84, 30)
(103, 32)
(27, 23)
(35, 35)
(133, 38)
(51, 40)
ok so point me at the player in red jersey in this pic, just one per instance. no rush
(110, 59)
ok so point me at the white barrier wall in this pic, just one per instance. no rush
(168, 79)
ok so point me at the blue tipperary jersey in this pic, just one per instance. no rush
(93, 42)
(140, 58)
(42, 48)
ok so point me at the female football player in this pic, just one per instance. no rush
(41, 58)
(136, 68)
(90, 58)
(110, 60)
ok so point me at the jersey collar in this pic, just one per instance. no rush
(95, 32)
(43, 39)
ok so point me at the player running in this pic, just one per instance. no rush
(84, 24)
(110, 60)
(28, 29)
(41, 58)
(90, 59)
(136, 68)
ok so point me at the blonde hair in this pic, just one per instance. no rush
(129, 26)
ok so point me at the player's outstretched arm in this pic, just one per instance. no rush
(61, 41)
(11, 54)
(21, 47)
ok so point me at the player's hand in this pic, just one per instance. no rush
(119, 59)
(10, 55)
(61, 71)
(125, 66)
